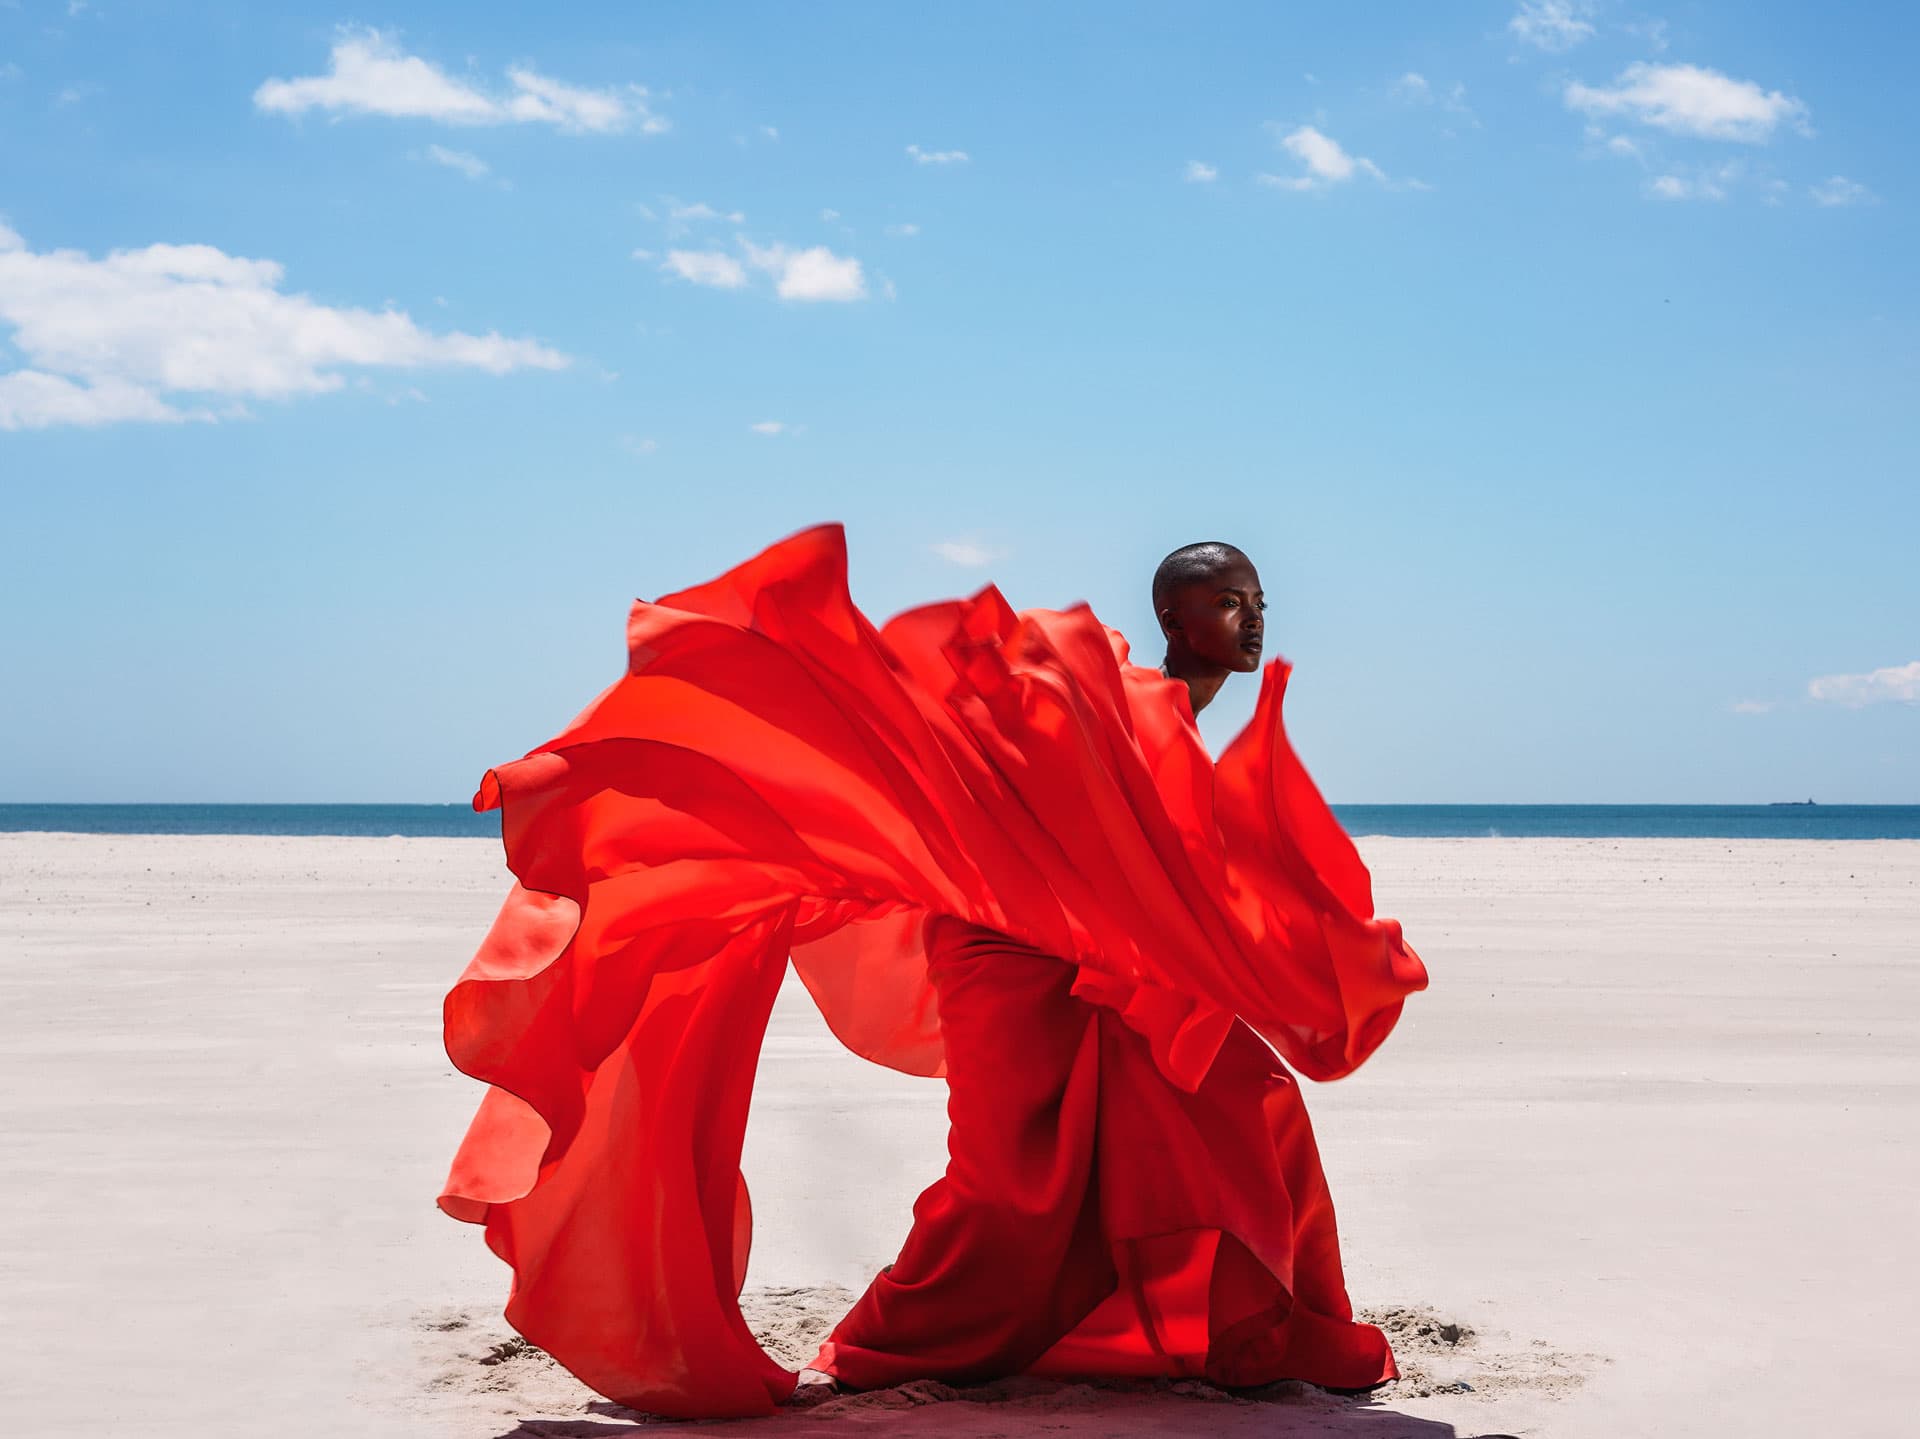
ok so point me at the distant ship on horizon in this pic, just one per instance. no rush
(1788, 803)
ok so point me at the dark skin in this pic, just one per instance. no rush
(1214, 627)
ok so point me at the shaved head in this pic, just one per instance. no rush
(1212, 611)
(1188, 564)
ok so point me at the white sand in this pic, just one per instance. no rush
(1651, 1135)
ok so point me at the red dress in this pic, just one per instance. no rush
(995, 851)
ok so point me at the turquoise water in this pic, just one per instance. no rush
(457, 820)
(1637, 821)
(1663, 821)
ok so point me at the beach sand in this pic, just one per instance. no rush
(1641, 1163)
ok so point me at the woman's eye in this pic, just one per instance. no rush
(1229, 603)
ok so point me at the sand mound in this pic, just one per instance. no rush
(1438, 1354)
(474, 1364)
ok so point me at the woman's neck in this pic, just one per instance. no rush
(1202, 680)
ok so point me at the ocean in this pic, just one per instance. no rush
(1513, 821)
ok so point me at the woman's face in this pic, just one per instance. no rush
(1221, 619)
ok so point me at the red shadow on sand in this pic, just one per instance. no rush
(1182, 1409)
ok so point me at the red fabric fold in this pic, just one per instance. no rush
(1095, 1219)
(775, 775)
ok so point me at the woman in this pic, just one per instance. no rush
(995, 851)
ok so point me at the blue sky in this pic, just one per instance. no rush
(1555, 361)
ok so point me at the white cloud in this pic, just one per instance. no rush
(34, 400)
(1199, 172)
(812, 274)
(1555, 26)
(937, 157)
(1653, 32)
(828, 216)
(1899, 684)
(10, 71)
(1709, 184)
(769, 427)
(713, 268)
(1326, 162)
(770, 132)
(1413, 88)
(700, 211)
(903, 232)
(965, 553)
(369, 74)
(639, 446)
(1322, 155)
(142, 333)
(468, 164)
(1691, 100)
(1839, 190)
(571, 107)
(1752, 707)
(1621, 145)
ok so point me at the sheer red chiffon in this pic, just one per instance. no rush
(994, 850)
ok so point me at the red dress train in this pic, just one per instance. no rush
(995, 851)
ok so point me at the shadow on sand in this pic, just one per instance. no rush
(1014, 1406)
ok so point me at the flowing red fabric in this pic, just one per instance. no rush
(969, 807)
